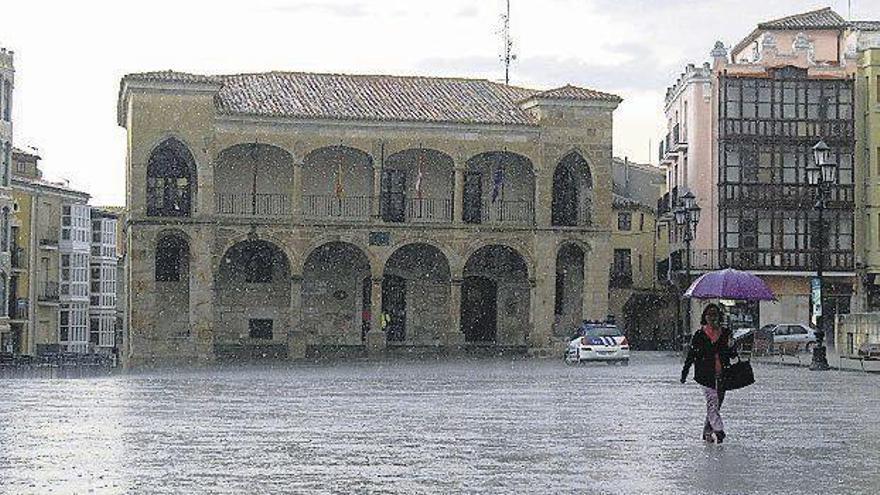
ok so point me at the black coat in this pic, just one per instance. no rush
(702, 356)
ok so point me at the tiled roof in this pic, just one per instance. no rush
(372, 97)
(18, 151)
(865, 25)
(173, 77)
(816, 19)
(569, 92)
(620, 201)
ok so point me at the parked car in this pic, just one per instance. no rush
(869, 350)
(598, 342)
(786, 337)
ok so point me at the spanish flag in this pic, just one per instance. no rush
(339, 188)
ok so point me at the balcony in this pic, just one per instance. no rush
(620, 279)
(18, 309)
(47, 292)
(254, 205)
(787, 128)
(783, 196)
(503, 212)
(429, 210)
(18, 258)
(760, 260)
(679, 138)
(666, 204)
(49, 240)
(331, 207)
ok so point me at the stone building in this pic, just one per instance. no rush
(63, 289)
(287, 214)
(7, 81)
(740, 138)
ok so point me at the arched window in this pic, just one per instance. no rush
(171, 180)
(172, 254)
(572, 192)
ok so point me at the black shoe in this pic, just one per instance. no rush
(719, 436)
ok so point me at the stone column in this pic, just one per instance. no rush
(543, 198)
(141, 293)
(376, 339)
(377, 191)
(201, 295)
(543, 292)
(296, 334)
(453, 337)
(458, 196)
(596, 275)
(297, 196)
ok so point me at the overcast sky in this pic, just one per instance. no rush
(70, 56)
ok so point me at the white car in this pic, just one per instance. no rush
(598, 342)
(790, 336)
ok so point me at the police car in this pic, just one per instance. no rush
(598, 342)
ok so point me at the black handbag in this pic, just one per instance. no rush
(737, 375)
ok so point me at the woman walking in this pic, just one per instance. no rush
(710, 353)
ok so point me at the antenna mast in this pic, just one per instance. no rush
(507, 54)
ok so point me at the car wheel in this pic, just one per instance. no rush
(625, 362)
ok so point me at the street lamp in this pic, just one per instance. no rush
(822, 175)
(687, 215)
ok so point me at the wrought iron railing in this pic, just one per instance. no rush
(784, 195)
(18, 258)
(18, 308)
(428, 210)
(761, 259)
(259, 205)
(320, 207)
(509, 211)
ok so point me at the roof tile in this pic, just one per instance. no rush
(373, 97)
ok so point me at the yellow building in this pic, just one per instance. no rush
(868, 160)
(638, 242)
(63, 287)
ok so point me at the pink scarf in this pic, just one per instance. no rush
(714, 334)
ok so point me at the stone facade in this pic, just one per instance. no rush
(293, 229)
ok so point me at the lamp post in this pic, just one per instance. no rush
(822, 175)
(687, 215)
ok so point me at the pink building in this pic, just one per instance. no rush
(740, 133)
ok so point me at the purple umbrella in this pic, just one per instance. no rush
(730, 284)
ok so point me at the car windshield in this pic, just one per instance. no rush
(601, 332)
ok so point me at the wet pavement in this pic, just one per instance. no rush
(452, 426)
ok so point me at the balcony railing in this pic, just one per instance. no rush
(508, 211)
(49, 240)
(317, 207)
(761, 260)
(258, 205)
(784, 195)
(47, 292)
(18, 258)
(429, 210)
(805, 129)
(620, 279)
(18, 308)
